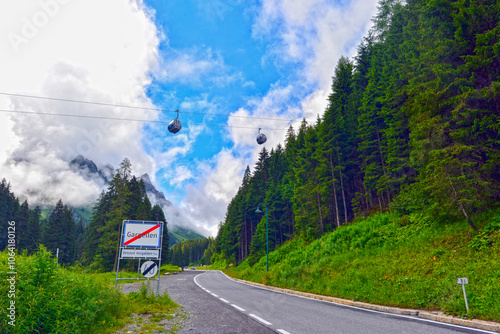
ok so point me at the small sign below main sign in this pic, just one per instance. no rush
(141, 235)
(140, 253)
(462, 280)
(149, 269)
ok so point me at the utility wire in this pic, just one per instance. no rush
(137, 107)
(123, 119)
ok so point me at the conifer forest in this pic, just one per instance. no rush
(412, 125)
(94, 245)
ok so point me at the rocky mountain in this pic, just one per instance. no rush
(88, 169)
(103, 174)
(155, 196)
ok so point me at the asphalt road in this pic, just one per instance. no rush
(204, 313)
(284, 313)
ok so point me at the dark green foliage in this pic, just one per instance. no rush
(198, 251)
(27, 221)
(157, 214)
(60, 233)
(125, 199)
(412, 124)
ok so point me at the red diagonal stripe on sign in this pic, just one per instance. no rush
(141, 235)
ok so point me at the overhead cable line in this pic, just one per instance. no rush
(123, 119)
(138, 107)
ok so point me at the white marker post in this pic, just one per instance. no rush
(464, 281)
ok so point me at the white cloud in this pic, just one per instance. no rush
(313, 33)
(272, 113)
(166, 149)
(195, 66)
(206, 201)
(83, 50)
(182, 173)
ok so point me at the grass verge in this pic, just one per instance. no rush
(396, 261)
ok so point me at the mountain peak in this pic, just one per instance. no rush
(145, 177)
(155, 196)
(88, 169)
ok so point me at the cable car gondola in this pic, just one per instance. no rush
(175, 125)
(261, 138)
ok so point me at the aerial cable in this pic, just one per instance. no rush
(137, 107)
(123, 119)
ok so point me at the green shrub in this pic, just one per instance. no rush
(50, 299)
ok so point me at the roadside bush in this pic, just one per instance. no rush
(50, 299)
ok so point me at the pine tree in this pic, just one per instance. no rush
(8, 210)
(33, 235)
(22, 226)
(60, 233)
(157, 214)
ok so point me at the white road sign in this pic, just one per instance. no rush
(462, 280)
(141, 253)
(149, 269)
(141, 235)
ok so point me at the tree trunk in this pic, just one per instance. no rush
(334, 192)
(342, 187)
(319, 206)
(455, 195)
(383, 165)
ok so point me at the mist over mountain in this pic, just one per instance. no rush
(88, 169)
(102, 175)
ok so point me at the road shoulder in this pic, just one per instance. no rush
(428, 315)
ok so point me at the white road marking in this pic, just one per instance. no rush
(282, 331)
(213, 294)
(265, 322)
(238, 308)
(225, 301)
(365, 309)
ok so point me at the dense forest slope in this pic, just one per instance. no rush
(411, 132)
(412, 126)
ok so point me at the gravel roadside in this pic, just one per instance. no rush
(200, 313)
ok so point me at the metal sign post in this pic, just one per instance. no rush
(464, 281)
(141, 240)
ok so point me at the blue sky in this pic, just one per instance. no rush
(228, 66)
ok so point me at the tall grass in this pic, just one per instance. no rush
(391, 260)
(50, 299)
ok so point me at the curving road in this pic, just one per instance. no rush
(284, 313)
(204, 313)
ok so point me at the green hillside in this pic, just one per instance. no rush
(179, 234)
(391, 260)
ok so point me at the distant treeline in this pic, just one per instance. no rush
(198, 251)
(59, 230)
(94, 245)
(412, 125)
